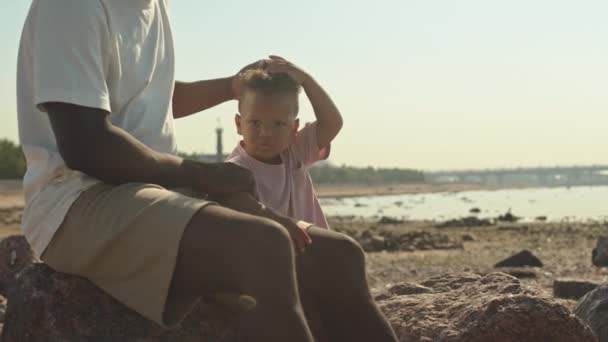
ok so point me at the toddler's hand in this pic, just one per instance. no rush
(277, 64)
(237, 81)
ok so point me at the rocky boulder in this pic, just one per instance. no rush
(15, 255)
(474, 308)
(593, 309)
(44, 305)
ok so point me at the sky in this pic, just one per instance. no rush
(425, 84)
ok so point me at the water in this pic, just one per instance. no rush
(557, 204)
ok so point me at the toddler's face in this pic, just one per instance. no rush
(267, 123)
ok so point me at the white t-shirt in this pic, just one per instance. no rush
(115, 55)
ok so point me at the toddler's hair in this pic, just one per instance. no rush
(261, 81)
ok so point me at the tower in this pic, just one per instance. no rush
(219, 148)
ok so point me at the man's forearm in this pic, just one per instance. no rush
(190, 98)
(246, 203)
(121, 159)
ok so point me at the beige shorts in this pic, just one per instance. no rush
(125, 240)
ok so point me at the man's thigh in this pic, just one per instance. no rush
(331, 260)
(223, 250)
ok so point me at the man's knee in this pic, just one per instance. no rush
(340, 250)
(271, 237)
(350, 249)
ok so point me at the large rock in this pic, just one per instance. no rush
(44, 305)
(473, 308)
(572, 288)
(593, 309)
(15, 255)
(521, 259)
(599, 255)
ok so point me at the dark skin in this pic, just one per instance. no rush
(243, 253)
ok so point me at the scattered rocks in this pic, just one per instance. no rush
(521, 259)
(593, 309)
(572, 288)
(516, 228)
(410, 241)
(599, 255)
(473, 308)
(389, 220)
(470, 221)
(508, 217)
(10, 215)
(468, 237)
(373, 243)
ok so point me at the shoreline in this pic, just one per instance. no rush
(343, 191)
(12, 195)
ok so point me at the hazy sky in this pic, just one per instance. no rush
(425, 84)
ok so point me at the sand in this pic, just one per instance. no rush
(564, 248)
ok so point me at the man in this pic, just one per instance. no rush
(96, 103)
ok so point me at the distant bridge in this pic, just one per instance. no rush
(545, 176)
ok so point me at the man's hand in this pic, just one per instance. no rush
(219, 179)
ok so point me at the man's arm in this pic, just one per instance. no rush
(190, 98)
(193, 97)
(88, 142)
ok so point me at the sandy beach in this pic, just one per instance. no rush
(564, 248)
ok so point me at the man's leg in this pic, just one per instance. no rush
(222, 251)
(331, 275)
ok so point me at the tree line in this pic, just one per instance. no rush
(364, 175)
(12, 161)
(12, 166)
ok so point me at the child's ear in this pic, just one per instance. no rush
(237, 122)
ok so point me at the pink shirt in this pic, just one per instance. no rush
(287, 187)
